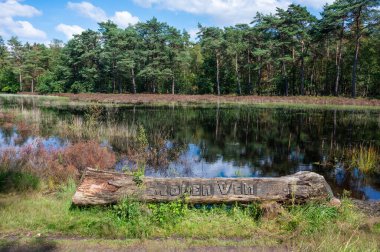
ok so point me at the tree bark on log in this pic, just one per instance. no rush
(104, 187)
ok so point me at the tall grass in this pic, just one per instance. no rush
(366, 159)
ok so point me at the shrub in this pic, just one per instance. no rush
(168, 213)
(18, 181)
(88, 154)
(136, 216)
(56, 166)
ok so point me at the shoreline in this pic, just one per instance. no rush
(326, 102)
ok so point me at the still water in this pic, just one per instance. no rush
(224, 141)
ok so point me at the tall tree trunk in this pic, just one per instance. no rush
(327, 90)
(339, 60)
(314, 86)
(259, 77)
(293, 83)
(119, 85)
(173, 84)
(237, 73)
(20, 79)
(32, 87)
(250, 87)
(217, 73)
(284, 76)
(357, 45)
(113, 77)
(133, 80)
(302, 87)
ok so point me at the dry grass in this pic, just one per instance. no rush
(366, 159)
(226, 99)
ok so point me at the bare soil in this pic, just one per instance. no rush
(31, 242)
(369, 208)
(226, 99)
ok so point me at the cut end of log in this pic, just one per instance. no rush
(105, 187)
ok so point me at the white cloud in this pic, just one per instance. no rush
(88, 10)
(10, 26)
(124, 19)
(12, 8)
(69, 30)
(121, 18)
(27, 30)
(228, 12)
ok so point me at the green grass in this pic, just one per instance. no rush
(18, 181)
(305, 228)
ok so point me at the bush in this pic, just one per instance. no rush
(56, 166)
(168, 213)
(47, 83)
(8, 81)
(18, 181)
(88, 154)
(136, 217)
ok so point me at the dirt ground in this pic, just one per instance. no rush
(226, 99)
(29, 242)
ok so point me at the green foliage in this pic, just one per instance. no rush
(377, 228)
(135, 216)
(138, 175)
(48, 84)
(8, 81)
(168, 213)
(18, 181)
(288, 52)
(310, 218)
(141, 138)
(366, 159)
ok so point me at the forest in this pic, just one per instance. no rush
(289, 52)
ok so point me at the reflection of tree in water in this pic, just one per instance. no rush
(271, 142)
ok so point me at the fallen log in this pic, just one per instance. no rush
(104, 187)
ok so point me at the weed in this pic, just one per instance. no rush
(132, 213)
(18, 181)
(138, 175)
(366, 159)
(168, 213)
(311, 218)
(141, 138)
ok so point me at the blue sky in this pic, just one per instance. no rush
(44, 20)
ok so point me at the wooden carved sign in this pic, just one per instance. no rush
(104, 187)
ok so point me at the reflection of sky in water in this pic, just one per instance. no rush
(192, 164)
(371, 193)
(11, 141)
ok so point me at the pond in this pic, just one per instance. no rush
(212, 141)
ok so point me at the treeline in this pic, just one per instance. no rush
(290, 52)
